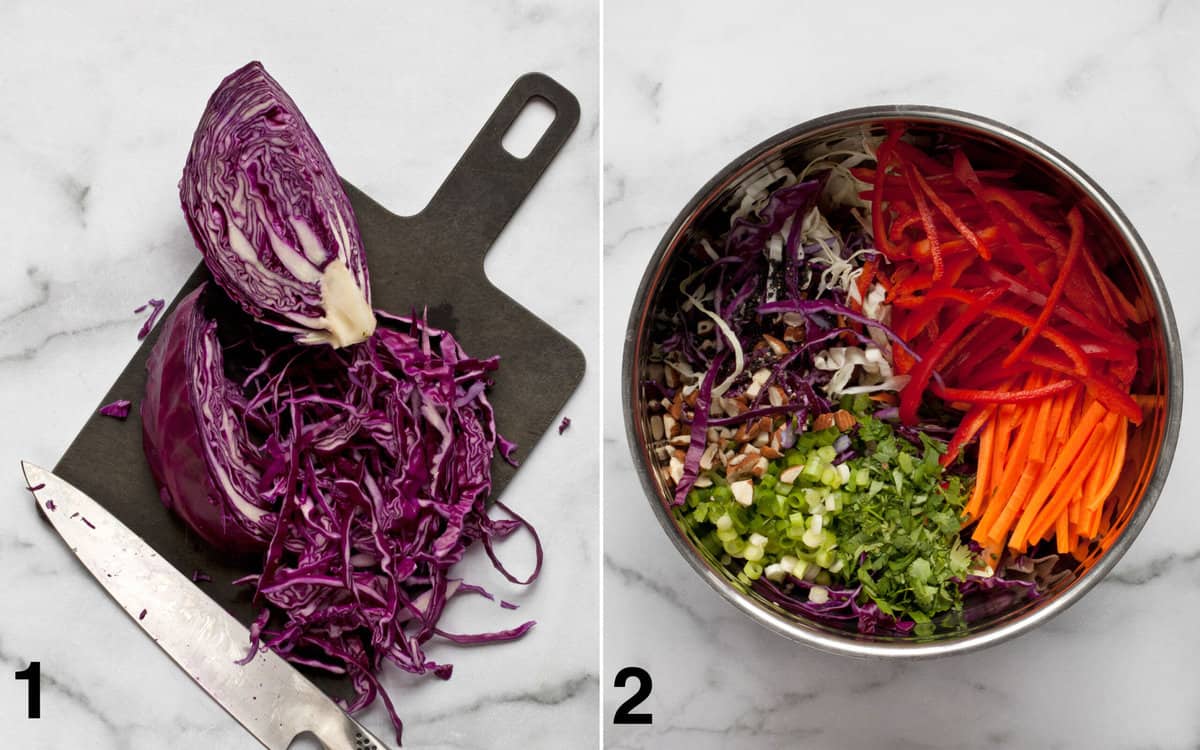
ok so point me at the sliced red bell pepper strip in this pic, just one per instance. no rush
(1078, 359)
(968, 428)
(1075, 222)
(1003, 396)
(902, 224)
(1117, 305)
(883, 156)
(952, 217)
(1026, 217)
(970, 179)
(921, 160)
(867, 174)
(863, 282)
(910, 395)
(1065, 309)
(1104, 390)
(931, 232)
(976, 344)
(922, 280)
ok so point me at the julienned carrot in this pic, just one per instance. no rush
(1092, 417)
(1116, 461)
(1007, 482)
(1041, 434)
(982, 473)
(1062, 531)
(1070, 487)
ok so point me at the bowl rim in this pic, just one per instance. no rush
(849, 644)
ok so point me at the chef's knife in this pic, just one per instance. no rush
(267, 696)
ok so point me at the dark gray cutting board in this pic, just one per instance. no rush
(433, 260)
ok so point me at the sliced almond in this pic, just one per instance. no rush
(844, 419)
(683, 439)
(794, 334)
(760, 467)
(731, 466)
(752, 429)
(790, 474)
(706, 458)
(656, 427)
(757, 381)
(668, 425)
(675, 469)
(769, 451)
(702, 482)
(776, 345)
(823, 422)
(776, 395)
(676, 409)
(743, 492)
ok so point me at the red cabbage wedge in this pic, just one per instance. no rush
(270, 216)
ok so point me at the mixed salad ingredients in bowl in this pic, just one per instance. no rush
(902, 379)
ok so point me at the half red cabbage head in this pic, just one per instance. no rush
(270, 216)
(194, 434)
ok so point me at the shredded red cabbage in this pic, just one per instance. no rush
(699, 439)
(357, 477)
(118, 409)
(841, 608)
(157, 306)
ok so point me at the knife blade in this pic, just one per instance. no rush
(267, 696)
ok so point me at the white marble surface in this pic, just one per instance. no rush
(97, 107)
(1111, 85)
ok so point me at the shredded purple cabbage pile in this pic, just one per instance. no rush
(357, 476)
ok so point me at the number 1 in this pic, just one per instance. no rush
(33, 673)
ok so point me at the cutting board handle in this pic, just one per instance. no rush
(488, 184)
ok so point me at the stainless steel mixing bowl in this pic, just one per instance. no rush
(1160, 375)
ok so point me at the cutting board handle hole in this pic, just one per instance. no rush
(528, 127)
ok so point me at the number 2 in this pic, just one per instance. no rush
(624, 714)
(33, 673)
